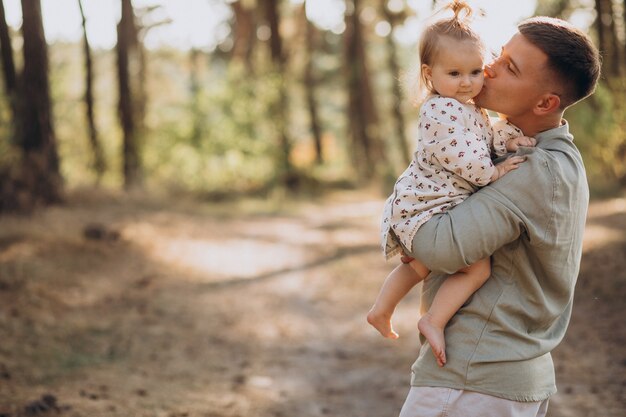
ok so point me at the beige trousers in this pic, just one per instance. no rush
(447, 402)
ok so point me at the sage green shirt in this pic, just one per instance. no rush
(531, 222)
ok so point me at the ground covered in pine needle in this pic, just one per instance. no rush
(133, 306)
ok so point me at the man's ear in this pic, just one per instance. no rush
(547, 104)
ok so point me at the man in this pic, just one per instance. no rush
(531, 222)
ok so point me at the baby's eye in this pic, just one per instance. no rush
(454, 73)
(477, 71)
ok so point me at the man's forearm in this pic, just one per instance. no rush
(467, 233)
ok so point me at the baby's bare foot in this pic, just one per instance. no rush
(435, 337)
(382, 322)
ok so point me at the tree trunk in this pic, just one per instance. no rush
(244, 36)
(394, 69)
(8, 66)
(10, 182)
(98, 157)
(126, 53)
(615, 44)
(607, 37)
(40, 174)
(140, 99)
(367, 152)
(600, 27)
(286, 173)
(195, 89)
(624, 26)
(309, 85)
(138, 59)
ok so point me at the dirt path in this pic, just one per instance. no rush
(247, 310)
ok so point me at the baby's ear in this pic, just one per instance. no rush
(427, 71)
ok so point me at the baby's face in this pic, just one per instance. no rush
(457, 70)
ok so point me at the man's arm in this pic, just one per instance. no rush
(489, 219)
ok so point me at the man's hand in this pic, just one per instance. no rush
(507, 165)
(513, 145)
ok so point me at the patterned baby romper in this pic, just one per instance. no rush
(452, 160)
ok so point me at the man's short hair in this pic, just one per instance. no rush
(573, 59)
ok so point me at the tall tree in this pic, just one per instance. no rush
(127, 57)
(394, 69)
(624, 33)
(244, 32)
(286, 172)
(9, 175)
(616, 51)
(8, 66)
(600, 30)
(199, 125)
(616, 61)
(310, 82)
(37, 139)
(608, 41)
(367, 152)
(143, 23)
(98, 157)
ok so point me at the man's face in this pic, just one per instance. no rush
(516, 80)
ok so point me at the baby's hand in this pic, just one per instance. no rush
(513, 145)
(507, 165)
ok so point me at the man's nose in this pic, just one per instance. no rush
(489, 72)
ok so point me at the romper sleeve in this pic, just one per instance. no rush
(503, 131)
(459, 149)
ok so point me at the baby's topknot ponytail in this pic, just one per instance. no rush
(462, 11)
(458, 6)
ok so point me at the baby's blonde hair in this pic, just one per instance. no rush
(456, 27)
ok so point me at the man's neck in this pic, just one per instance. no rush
(533, 125)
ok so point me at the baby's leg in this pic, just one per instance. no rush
(397, 284)
(452, 294)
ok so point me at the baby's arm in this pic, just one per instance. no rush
(513, 144)
(507, 165)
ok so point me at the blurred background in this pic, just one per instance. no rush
(230, 97)
(190, 194)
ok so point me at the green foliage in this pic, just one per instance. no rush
(67, 90)
(224, 139)
(599, 128)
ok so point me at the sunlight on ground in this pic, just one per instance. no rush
(599, 235)
(241, 258)
(258, 246)
(213, 259)
(252, 247)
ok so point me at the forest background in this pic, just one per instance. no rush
(269, 100)
(190, 195)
